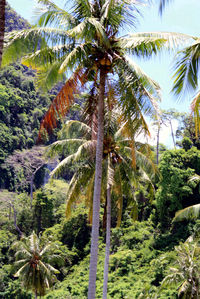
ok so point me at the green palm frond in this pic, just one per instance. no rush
(188, 213)
(51, 14)
(144, 81)
(172, 279)
(80, 180)
(48, 75)
(75, 57)
(30, 38)
(139, 94)
(89, 27)
(79, 127)
(195, 107)
(187, 68)
(59, 146)
(83, 9)
(195, 177)
(87, 150)
(18, 273)
(47, 55)
(148, 43)
(184, 288)
(105, 12)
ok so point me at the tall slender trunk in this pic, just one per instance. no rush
(157, 146)
(172, 132)
(35, 294)
(108, 226)
(2, 26)
(97, 189)
(31, 187)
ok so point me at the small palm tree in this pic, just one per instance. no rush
(34, 263)
(185, 273)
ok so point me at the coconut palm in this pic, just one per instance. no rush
(120, 175)
(185, 272)
(34, 263)
(2, 26)
(87, 42)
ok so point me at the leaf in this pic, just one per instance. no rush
(61, 104)
(187, 213)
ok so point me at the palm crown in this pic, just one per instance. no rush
(34, 263)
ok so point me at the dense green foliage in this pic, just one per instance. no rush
(21, 110)
(13, 21)
(175, 191)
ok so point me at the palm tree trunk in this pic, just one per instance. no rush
(2, 26)
(172, 133)
(97, 189)
(108, 226)
(157, 146)
(31, 187)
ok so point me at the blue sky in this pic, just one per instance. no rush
(180, 16)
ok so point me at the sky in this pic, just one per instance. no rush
(179, 16)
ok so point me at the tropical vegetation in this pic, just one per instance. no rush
(149, 225)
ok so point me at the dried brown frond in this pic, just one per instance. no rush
(61, 103)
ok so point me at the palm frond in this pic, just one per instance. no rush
(51, 14)
(188, 213)
(59, 146)
(87, 149)
(75, 57)
(18, 273)
(144, 44)
(47, 55)
(31, 39)
(80, 180)
(172, 279)
(187, 67)
(83, 9)
(195, 107)
(70, 126)
(61, 103)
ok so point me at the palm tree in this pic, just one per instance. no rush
(120, 176)
(2, 26)
(185, 273)
(34, 263)
(87, 42)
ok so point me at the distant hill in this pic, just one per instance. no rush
(14, 21)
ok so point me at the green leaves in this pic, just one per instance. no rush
(187, 67)
(35, 272)
(191, 212)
